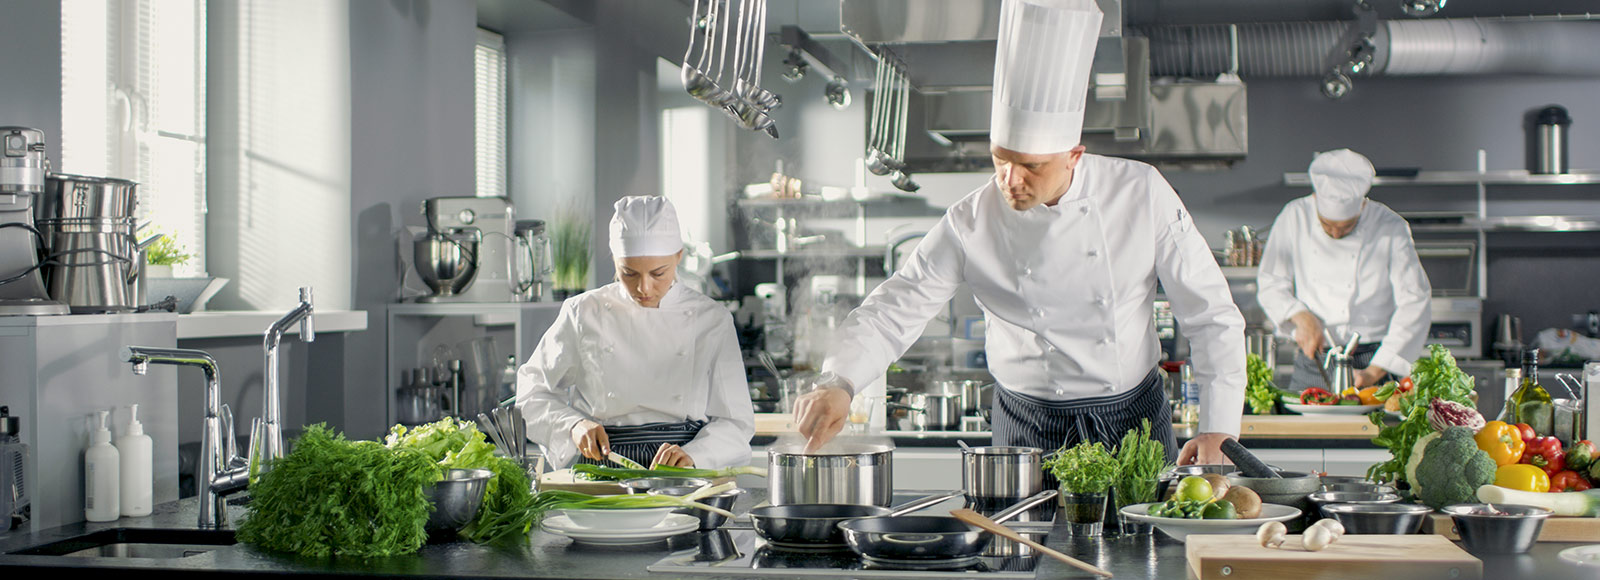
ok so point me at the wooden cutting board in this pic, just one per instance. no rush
(1341, 426)
(1415, 557)
(1555, 529)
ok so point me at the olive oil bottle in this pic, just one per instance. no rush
(1531, 403)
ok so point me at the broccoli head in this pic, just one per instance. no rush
(1453, 468)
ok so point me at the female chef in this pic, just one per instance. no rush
(642, 367)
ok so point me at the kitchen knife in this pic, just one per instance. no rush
(1247, 461)
(618, 459)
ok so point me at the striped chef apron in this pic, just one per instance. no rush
(640, 442)
(1307, 372)
(1028, 421)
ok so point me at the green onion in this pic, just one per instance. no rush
(601, 473)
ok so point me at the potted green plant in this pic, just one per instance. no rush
(1140, 463)
(569, 246)
(1085, 471)
(162, 255)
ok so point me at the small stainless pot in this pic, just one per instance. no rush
(844, 472)
(1001, 473)
(935, 412)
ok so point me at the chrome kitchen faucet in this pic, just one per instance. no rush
(222, 471)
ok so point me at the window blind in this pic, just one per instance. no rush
(490, 116)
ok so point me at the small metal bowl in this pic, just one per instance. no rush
(1483, 531)
(708, 520)
(456, 498)
(1358, 487)
(645, 484)
(1378, 518)
(1323, 498)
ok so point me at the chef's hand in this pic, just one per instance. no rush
(669, 454)
(591, 440)
(821, 413)
(1369, 376)
(1204, 449)
(1308, 333)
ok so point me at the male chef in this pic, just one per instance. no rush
(1340, 261)
(1063, 251)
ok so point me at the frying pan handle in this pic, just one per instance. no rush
(1024, 505)
(918, 504)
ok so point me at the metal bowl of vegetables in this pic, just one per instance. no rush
(1497, 528)
(456, 498)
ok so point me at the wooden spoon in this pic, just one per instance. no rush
(990, 526)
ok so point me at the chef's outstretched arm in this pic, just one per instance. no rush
(1408, 326)
(1275, 289)
(544, 390)
(880, 330)
(1205, 310)
(730, 419)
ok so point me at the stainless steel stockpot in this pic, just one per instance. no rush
(843, 472)
(935, 412)
(989, 473)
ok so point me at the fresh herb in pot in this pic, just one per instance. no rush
(1434, 376)
(1141, 461)
(333, 497)
(1085, 468)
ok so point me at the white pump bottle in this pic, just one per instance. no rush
(101, 471)
(137, 467)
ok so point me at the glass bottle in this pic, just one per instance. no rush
(1532, 403)
(1508, 412)
(1191, 395)
(508, 380)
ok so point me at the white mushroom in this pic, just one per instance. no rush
(1316, 538)
(1333, 525)
(1272, 534)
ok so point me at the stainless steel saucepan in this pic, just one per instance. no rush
(937, 538)
(816, 526)
(845, 471)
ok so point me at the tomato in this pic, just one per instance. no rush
(1568, 480)
(1405, 385)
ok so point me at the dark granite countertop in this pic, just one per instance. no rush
(550, 556)
(946, 440)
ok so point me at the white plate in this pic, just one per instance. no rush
(1331, 409)
(1180, 528)
(618, 519)
(1582, 556)
(674, 524)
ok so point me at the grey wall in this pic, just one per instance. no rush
(30, 96)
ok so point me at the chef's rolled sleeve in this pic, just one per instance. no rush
(1204, 307)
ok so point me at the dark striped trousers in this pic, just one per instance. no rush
(640, 442)
(1028, 421)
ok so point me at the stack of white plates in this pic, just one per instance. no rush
(671, 526)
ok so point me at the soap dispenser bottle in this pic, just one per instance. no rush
(101, 470)
(137, 463)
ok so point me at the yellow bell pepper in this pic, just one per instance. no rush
(1522, 476)
(1501, 441)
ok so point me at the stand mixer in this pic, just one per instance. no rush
(22, 169)
(466, 254)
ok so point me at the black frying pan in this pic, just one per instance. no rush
(922, 538)
(816, 526)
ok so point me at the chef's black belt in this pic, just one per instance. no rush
(640, 442)
(1306, 374)
(1028, 421)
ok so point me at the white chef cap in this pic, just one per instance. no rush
(1340, 179)
(644, 225)
(1041, 73)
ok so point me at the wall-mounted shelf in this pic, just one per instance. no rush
(1524, 223)
(1498, 177)
(865, 252)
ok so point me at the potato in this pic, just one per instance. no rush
(1219, 484)
(1245, 502)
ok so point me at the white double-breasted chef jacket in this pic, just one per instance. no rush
(1067, 292)
(1369, 281)
(608, 359)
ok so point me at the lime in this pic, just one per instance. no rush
(1193, 488)
(1219, 510)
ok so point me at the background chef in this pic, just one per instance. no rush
(643, 366)
(1063, 251)
(1338, 260)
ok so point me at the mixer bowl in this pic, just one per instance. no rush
(445, 263)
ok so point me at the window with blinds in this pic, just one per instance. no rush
(133, 86)
(490, 116)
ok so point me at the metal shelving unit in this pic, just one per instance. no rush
(785, 244)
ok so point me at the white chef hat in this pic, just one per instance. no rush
(1340, 179)
(644, 225)
(1041, 73)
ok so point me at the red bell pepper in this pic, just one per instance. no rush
(1527, 432)
(1568, 480)
(1316, 396)
(1545, 453)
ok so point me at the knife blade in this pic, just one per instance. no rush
(618, 459)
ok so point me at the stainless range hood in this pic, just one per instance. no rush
(949, 47)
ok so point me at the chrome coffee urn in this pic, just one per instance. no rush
(22, 169)
(466, 254)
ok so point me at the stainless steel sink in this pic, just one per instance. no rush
(136, 543)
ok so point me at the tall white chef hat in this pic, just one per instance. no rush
(1041, 73)
(1340, 179)
(644, 225)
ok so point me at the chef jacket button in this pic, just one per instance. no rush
(1093, 253)
(1105, 341)
(608, 305)
(681, 353)
(677, 397)
(608, 349)
(1061, 391)
(1084, 209)
(1038, 312)
(1027, 271)
(1109, 387)
(611, 395)
(1051, 348)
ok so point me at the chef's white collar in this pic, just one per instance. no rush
(673, 298)
(1075, 190)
